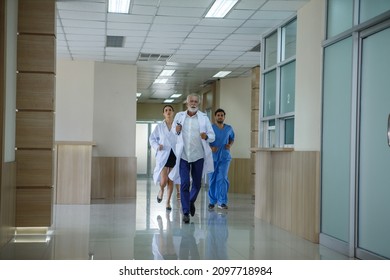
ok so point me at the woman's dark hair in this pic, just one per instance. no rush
(168, 106)
(219, 110)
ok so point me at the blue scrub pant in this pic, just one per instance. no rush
(219, 183)
(188, 195)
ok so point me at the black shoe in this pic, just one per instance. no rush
(211, 206)
(192, 209)
(186, 219)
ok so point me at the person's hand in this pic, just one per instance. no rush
(178, 128)
(204, 136)
(214, 149)
(227, 146)
(160, 147)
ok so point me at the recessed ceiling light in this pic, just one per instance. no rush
(222, 74)
(167, 72)
(139, 94)
(220, 8)
(175, 95)
(169, 100)
(160, 81)
(118, 6)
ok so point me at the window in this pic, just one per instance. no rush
(278, 91)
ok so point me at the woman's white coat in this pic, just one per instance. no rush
(161, 135)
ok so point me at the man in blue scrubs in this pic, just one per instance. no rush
(219, 182)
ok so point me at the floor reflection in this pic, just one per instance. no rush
(142, 229)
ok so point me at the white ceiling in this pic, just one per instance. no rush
(197, 47)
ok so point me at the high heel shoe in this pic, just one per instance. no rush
(159, 199)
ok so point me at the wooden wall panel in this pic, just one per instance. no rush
(36, 53)
(240, 176)
(36, 66)
(34, 207)
(7, 203)
(288, 191)
(35, 91)
(113, 177)
(125, 178)
(34, 130)
(263, 186)
(74, 174)
(37, 16)
(255, 98)
(103, 177)
(34, 168)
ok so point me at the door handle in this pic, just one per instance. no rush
(388, 130)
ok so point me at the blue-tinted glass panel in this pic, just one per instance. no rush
(269, 93)
(340, 16)
(336, 151)
(287, 88)
(289, 132)
(289, 40)
(372, 8)
(271, 50)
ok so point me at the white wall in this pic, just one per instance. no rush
(308, 94)
(115, 108)
(97, 102)
(235, 98)
(10, 79)
(74, 100)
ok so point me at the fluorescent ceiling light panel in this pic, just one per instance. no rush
(167, 72)
(160, 81)
(118, 6)
(222, 74)
(175, 95)
(139, 94)
(220, 8)
(168, 100)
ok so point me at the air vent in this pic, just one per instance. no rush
(256, 48)
(153, 57)
(115, 41)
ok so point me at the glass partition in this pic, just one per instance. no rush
(336, 139)
(340, 16)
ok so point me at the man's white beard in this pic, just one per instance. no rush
(193, 110)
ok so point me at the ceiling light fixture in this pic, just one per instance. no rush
(175, 95)
(119, 6)
(169, 100)
(222, 74)
(167, 72)
(220, 8)
(160, 81)
(139, 94)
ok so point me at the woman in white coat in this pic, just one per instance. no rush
(164, 142)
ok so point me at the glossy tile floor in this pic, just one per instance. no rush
(142, 229)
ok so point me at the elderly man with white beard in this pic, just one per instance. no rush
(194, 157)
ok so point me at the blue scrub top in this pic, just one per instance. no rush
(222, 137)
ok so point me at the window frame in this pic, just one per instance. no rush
(277, 131)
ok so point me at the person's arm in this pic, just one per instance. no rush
(209, 131)
(154, 139)
(231, 140)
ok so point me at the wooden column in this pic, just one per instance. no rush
(36, 66)
(254, 122)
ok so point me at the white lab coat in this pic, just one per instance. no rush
(161, 136)
(204, 126)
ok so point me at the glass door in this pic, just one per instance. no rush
(373, 223)
(146, 158)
